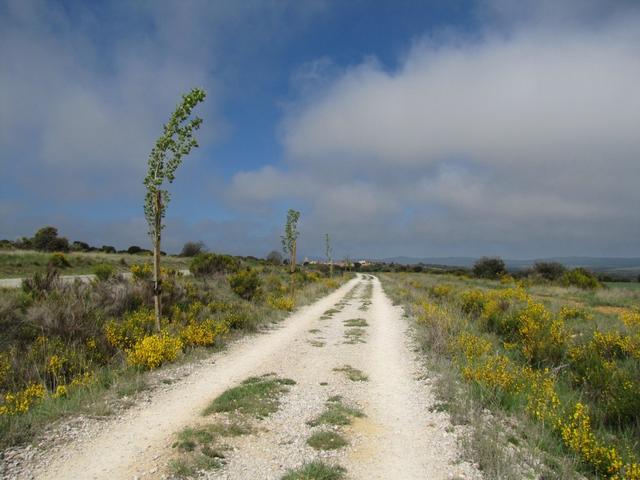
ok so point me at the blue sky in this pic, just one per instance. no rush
(401, 128)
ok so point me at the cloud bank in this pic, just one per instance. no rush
(522, 140)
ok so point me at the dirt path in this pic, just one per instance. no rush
(398, 438)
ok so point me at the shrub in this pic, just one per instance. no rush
(154, 350)
(488, 267)
(108, 249)
(210, 263)
(203, 333)
(40, 284)
(58, 260)
(281, 303)
(133, 327)
(549, 270)
(46, 239)
(191, 249)
(245, 283)
(581, 278)
(274, 257)
(104, 271)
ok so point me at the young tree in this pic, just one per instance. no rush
(328, 252)
(176, 141)
(290, 238)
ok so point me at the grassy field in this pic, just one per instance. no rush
(24, 263)
(547, 377)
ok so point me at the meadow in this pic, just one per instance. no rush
(26, 263)
(547, 377)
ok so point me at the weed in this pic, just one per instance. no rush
(354, 335)
(336, 413)
(257, 397)
(356, 322)
(326, 440)
(316, 471)
(352, 374)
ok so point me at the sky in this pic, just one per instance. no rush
(424, 129)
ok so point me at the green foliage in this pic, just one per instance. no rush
(256, 396)
(581, 278)
(290, 231)
(46, 239)
(549, 270)
(58, 260)
(274, 257)
(176, 141)
(104, 271)
(326, 440)
(316, 471)
(191, 249)
(245, 283)
(488, 267)
(209, 263)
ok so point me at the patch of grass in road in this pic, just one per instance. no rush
(336, 413)
(352, 374)
(314, 330)
(329, 313)
(354, 335)
(317, 343)
(356, 322)
(257, 397)
(199, 447)
(326, 440)
(316, 471)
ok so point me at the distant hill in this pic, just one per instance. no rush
(613, 265)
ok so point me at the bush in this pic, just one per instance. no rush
(104, 271)
(58, 260)
(108, 249)
(281, 303)
(154, 350)
(274, 257)
(549, 270)
(487, 267)
(46, 239)
(245, 283)
(210, 263)
(191, 249)
(581, 278)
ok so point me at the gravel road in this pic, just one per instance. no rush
(399, 437)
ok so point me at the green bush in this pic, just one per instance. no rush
(488, 267)
(210, 263)
(104, 271)
(245, 283)
(581, 278)
(549, 270)
(58, 260)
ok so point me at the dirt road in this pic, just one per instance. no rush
(398, 438)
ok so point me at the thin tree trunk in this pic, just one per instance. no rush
(156, 261)
(293, 268)
(330, 268)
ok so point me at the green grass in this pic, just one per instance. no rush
(317, 343)
(257, 397)
(354, 335)
(316, 471)
(356, 322)
(327, 440)
(25, 263)
(353, 374)
(336, 413)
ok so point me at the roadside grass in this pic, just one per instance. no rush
(113, 385)
(504, 440)
(326, 440)
(353, 374)
(316, 471)
(257, 397)
(356, 322)
(354, 335)
(336, 413)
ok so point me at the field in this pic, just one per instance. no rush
(24, 263)
(538, 371)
